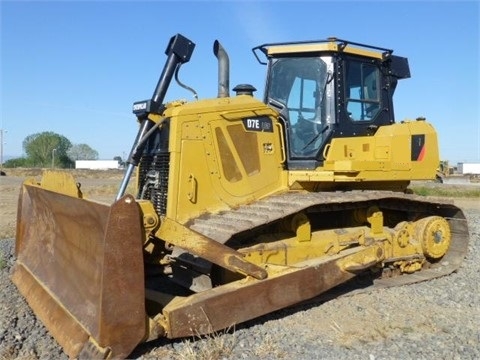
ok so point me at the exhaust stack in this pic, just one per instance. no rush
(223, 69)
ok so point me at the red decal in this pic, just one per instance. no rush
(422, 154)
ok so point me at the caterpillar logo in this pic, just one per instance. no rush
(418, 147)
(139, 106)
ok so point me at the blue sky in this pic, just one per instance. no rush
(75, 68)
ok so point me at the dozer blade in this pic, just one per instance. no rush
(80, 268)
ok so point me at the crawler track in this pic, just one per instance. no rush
(222, 227)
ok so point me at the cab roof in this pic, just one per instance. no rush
(330, 45)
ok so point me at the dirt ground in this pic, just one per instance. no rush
(100, 185)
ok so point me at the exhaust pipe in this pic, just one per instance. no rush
(223, 69)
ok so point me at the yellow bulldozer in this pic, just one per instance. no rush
(241, 206)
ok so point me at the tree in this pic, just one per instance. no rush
(120, 160)
(82, 152)
(17, 162)
(47, 149)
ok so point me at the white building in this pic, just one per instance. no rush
(97, 164)
(469, 168)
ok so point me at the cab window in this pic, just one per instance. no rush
(300, 84)
(362, 91)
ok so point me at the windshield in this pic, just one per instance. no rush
(301, 85)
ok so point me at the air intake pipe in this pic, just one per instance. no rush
(179, 51)
(223, 69)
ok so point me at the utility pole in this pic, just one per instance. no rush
(53, 158)
(1, 149)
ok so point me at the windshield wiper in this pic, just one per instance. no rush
(325, 128)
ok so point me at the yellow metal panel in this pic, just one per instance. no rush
(61, 182)
(382, 152)
(309, 176)
(321, 47)
(267, 151)
(363, 52)
(215, 163)
(302, 48)
(242, 113)
(384, 156)
(191, 131)
(194, 192)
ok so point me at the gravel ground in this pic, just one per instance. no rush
(436, 319)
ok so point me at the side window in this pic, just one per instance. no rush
(362, 91)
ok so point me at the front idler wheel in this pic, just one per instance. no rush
(435, 236)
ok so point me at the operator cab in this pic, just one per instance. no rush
(327, 89)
